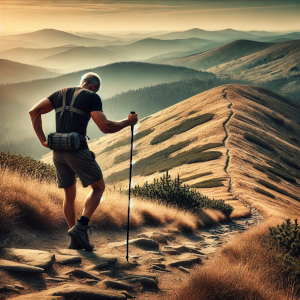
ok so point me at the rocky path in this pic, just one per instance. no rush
(160, 259)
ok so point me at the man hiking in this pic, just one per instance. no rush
(81, 162)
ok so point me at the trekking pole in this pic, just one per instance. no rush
(130, 170)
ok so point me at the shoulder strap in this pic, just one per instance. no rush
(71, 108)
(64, 96)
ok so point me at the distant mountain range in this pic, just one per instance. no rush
(13, 72)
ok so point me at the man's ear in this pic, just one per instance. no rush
(95, 87)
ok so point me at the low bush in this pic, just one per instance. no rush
(172, 192)
(192, 112)
(27, 166)
(264, 192)
(285, 238)
(256, 140)
(126, 141)
(184, 126)
(161, 160)
(215, 182)
(290, 163)
(264, 170)
(124, 156)
(277, 189)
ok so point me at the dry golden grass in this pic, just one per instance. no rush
(38, 205)
(244, 269)
(27, 201)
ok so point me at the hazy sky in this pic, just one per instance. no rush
(134, 16)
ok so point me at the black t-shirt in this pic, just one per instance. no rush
(86, 101)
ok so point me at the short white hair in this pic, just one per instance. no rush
(91, 78)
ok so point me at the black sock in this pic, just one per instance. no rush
(84, 220)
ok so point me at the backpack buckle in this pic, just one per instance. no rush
(66, 108)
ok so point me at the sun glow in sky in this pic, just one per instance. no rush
(134, 16)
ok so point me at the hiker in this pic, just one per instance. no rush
(81, 162)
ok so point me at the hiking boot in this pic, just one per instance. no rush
(80, 231)
(75, 243)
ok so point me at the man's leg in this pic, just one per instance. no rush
(91, 203)
(69, 205)
(93, 199)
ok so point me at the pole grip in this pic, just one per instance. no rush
(132, 112)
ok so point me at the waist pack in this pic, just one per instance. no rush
(66, 141)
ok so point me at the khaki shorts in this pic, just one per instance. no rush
(80, 162)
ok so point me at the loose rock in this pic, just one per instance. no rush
(36, 258)
(82, 274)
(67, 259)
(17, 267)
(114, 284)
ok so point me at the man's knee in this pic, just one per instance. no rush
(98, 185)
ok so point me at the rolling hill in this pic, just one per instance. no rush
(31, 55)
(271, 63)
(12, 72)
(217, 36)
(150, 47)
(53, 38)
(220, 55)
(232, 142)
(80, 58)
(276, 67)
(116, 78)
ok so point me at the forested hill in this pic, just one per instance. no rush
(149, 100)
(16, 100)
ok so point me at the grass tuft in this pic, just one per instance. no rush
(264, 192)
(184, 126)
(211, 183)
(161, 160)
(257, 141)
(277, 189)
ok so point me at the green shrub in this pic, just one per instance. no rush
(264, 170)
(124, 156)
(27, 166)
(215, 182)
(195, 176)
(286, 174)
(172, 192)
(184, 126)
(256, 140)
(126, 141)
(264, 192)
(161, 162)
(290, 163)
(192, 112)
(278, 121)
(285, 238)
(142, 134)
(277, 189)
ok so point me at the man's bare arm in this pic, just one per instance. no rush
(108, 126)
(43, 107)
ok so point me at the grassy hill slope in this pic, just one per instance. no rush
(205, 140)
(220, 55)
(275, 62)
